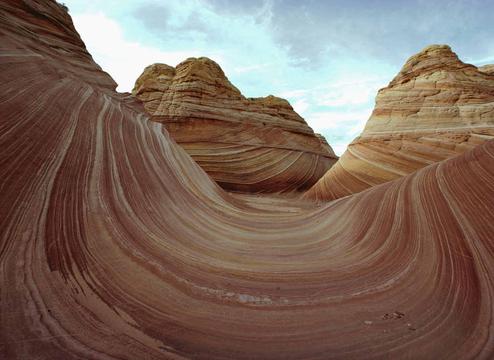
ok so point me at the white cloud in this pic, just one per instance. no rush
(301, 106)
(339, 127)
(339, 147)
(325, 120)
(123, 60)
(351, 94)
(250, 68)
(483, 61)
(335, 102)
(293, 94)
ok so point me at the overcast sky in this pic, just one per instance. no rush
(327, 57)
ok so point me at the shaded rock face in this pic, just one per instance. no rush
(244, 144)
(435, 108)
(115, 244)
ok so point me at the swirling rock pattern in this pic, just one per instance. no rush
(435, 108)
(114, 244)
(248, 145)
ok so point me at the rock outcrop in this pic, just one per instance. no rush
(435, 108)
(488, 69)
(115, 244)
(244, 144)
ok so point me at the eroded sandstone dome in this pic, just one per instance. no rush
(435, 108)
(244, 144)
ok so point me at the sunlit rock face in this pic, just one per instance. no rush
(115, 244)
(244, 144)
(435, 108)
(488, 69)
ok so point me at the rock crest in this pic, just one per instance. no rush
(435, 108)
(244, 144)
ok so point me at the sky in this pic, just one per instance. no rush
(327, 57)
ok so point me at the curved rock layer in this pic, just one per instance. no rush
(115, 244)
(248, 145)
(435, 108)
(488, 69)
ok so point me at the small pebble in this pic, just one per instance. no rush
(367, 322)
(398, 315)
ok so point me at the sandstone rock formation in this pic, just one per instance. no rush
(435, 108)
(488, 69)
(115, 244)
(245, 144)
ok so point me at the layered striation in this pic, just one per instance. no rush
(435, 108)
(244, 144)
(488, 69)
(115, 244)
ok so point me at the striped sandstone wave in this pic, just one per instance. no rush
(115, 244)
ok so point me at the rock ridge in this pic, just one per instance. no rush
(435, 108)
(245, 144)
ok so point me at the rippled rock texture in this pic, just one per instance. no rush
(115, 244)
(435, 108)
(244, 144)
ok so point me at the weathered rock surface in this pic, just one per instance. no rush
(488, 69)
(244, 144)
(435, 108)
(114, 244)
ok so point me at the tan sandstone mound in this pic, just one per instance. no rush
(115, 244)
(488, 69)
(435, 108)
(245, 144)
